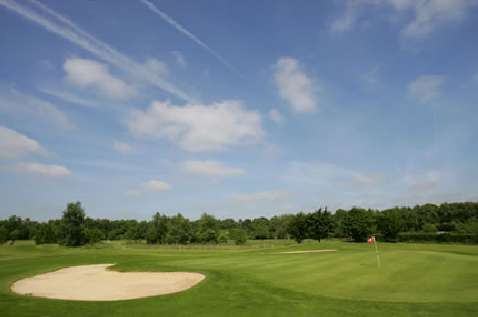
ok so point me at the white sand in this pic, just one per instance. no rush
(96, 283)
(308, 251)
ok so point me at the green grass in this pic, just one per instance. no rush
(256, 280)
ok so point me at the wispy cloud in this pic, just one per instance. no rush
(294, 85)
(427, 15)
(275, 116)
(211, 168)
(426, 87)
(180, 59)
(68, 97)
(154, 185)
(256, 197)
(166, 18)
(475, 78)
(50, 170)
(62, 26)
(372, 76)
(14, 144)
(18, 104)
(122, 147)
(328, 174)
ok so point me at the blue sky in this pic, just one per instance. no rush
(237, 108)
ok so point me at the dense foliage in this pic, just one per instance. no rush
(448, 222)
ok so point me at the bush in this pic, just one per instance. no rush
(451, 237)
(239, 236)
(209, 236)
(45, 234)
(223, 236)
(3, 235)
(429, 227)
(94, 235)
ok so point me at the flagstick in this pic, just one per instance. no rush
(379, 264)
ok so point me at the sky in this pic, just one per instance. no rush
(236, 108)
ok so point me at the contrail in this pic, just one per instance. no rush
(189, 35)
(62, 26)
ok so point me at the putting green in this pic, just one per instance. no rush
(404, 276)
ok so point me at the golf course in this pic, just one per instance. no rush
(223, 158)
(261, 278)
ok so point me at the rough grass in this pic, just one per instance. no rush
(256, 280)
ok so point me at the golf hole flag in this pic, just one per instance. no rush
(371, 240)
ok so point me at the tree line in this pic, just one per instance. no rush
(447, 222)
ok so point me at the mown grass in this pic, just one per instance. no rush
(257, 280)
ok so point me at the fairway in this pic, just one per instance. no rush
(259, 280)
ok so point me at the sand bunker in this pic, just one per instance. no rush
(96, 283)
(309, 251)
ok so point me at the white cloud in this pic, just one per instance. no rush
(294, 85)
(328, 174)
(62, 26)
(14, 145)
(257, 197)
(180, 59)
(180, 28)
(21, 105)
(87, 73)
(371, 77)
(211, 168)
(342, 187)
(427, 15)
(69, 97)
(435, 186)
(50, 170)
(198, 127)
(158, 67)
(154, 185)
(275, 116)
(426, 87)
(122, 147)
(348, 19)
(425, 182)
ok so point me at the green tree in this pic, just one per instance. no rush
(3, 235)
(429, 227)
(470, 227)
(208, 229)
(72, 225)
(238, 235)
(179, 230)
(223, 236)
(279, 226)
(158, 229)
(260, 228)
(357, 224)
(14, 236)
(298, 227)
(94, 235)
(319, 224)
(137, 231)
(45, 233)
(389, 224)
